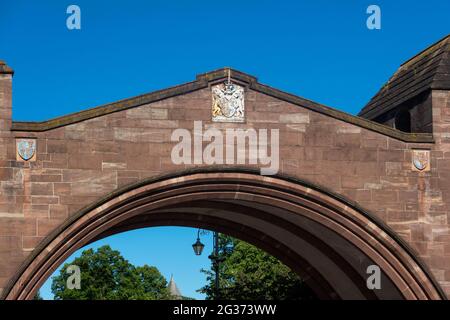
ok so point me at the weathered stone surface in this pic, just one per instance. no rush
(78, 164)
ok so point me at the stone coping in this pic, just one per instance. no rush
(202, 81)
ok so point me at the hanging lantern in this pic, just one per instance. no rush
(198, 247)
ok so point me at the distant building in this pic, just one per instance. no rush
(173, 289)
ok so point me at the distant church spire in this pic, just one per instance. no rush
(173, 289)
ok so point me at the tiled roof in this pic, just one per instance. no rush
(173, 288)
(430, 69)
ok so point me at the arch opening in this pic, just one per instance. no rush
(326, 239)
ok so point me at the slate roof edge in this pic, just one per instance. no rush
(382, 102)
(441, 40)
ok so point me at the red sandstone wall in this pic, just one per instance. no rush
(79, 163)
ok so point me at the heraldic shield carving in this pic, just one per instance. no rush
(421, 160)
(227, 103)
(26, 149)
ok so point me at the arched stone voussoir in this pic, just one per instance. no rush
(313, 226)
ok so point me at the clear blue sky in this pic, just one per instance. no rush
(321, 50)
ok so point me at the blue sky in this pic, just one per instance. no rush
(320, 50)
(167, 248)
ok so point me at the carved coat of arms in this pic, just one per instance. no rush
(421, 160)
(227, 103)
(26, 148)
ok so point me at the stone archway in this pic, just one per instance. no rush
(327, 239)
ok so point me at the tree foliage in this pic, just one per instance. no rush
(38, 296)
(249, 273)
(106, 275)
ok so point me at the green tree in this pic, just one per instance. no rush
(153, 284)
(106, 275)
(38, 296)
(249, 273)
